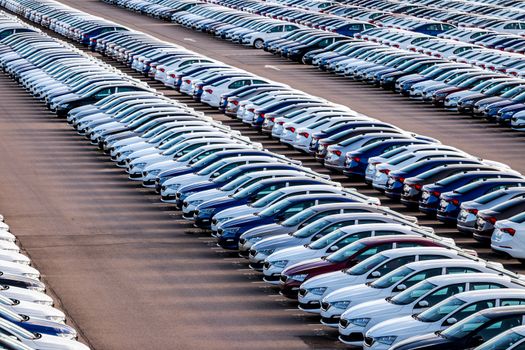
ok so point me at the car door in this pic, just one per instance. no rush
(492, 328)
(468, 310)
(438, 296)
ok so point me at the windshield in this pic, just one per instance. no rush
(520, 218)
(450, 179)
(462, 329)
(310, 229)
(299, 218)
(236, 183)
(268, 199)
(275, 208)
(412, 294)
(392, 277)
(503, 342)
(440, 310)
(211, 168)
(367, 265)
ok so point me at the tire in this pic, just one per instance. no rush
(258, 43)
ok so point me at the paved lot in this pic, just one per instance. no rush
(129, 271)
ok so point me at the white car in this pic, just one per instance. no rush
(508, 236)
(315, 289)
(440, 316)
(357, 320)
(211, 94)
(328, 224)
(258, 38)
(394, 282)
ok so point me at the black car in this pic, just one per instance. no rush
(470, 332)
(487, 218)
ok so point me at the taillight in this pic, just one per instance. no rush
(251, 109)
(235, 102)
(455, 202)
(417, 186)
(172, 75)
(291, 128)
(209, 91)
(436, 193)
(400, 179)
(280, 123)
(508, 230)
(491, 219)
(262, 115)
(187, 81)
(336, 152)
(385, 171)
(473, 211)
(356, 159)
(304, 134)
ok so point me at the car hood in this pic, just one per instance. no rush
(263, 230)
(194, 186)
(308, 266)
(217, 202)
(280, 241)
(205, 195)
(400, 326)
(236, 211)
(293, 254)
(353, 293)
(371, 309)
(240, 220)
(423, 341)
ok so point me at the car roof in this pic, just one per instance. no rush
(491, 293)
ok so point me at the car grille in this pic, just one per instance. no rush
(352, 337)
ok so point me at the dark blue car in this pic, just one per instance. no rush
(230, 173)
(431, 194)
(229, 232)
(356, 161)
(397, 178)
(412, 190)
(450, 202)
(205, 211)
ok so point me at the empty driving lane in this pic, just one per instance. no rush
(127, 269)
(476, 137)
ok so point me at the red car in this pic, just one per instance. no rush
(347, 257)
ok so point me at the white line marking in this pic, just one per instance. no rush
(271, 67)
(189, 39)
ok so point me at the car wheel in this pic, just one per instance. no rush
(258, 44)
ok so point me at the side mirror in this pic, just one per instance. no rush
(422, 303)
(215, 174)
(376, 274)
(334, 248)
(451, 321)
(401, 287)
(178, 154)
(317, 236)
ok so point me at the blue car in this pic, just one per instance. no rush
(396, 178)
(205, 161)
(205, 211)
(229, 173)
(34, 325)
(450, 203)
(336, 129)
(356, 161)
(412, 190)
(431, 194)
(229, 233)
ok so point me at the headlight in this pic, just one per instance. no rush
(387, 340)
(58, 319)
(23, 262)
(317, 291)
(361, 322)
(173, 187)
(31, 275)
(279, 263)
(43, 302)
(343, 304)
(195, 203)
(35, 288)
(71, 335)
(225, 219)
(266, 251)
(138, 165)
(300, 277)
(206, 212)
